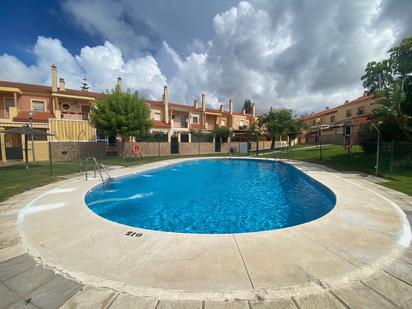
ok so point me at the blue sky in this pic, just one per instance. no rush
(299, 54)
(23, 21)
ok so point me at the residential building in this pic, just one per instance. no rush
(339, 124)
(53, 109)
(63, 113)
(174, 118)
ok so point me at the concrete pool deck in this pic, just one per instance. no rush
(359, 254)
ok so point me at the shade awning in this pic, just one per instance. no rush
(27, 131)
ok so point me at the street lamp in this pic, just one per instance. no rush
(377, 149)
(32, 137)
(318, 122)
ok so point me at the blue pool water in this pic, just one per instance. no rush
(213, 196)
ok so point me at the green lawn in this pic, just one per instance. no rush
(336, 157)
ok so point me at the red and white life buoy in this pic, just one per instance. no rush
(136, 149)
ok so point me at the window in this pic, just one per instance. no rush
(332, 119)
(38, 106)
(361, 110)
(8, 102)
(173, 117)
(223, 122)
(156, 116)
(348, 113)
(195, 119)
(314, 123)
(85, 112)
(241, 124)
(66, 106)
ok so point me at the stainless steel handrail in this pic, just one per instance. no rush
(97, 166)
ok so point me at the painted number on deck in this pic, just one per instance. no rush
(133, 234)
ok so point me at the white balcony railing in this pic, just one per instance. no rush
(4, 113)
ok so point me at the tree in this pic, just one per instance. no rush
(221, 132)
(279, 123)
(247, 106)
(391, 80)
(121, 114)
(85, 85)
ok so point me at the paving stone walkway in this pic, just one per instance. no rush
(26, 284)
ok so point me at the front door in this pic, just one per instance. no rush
(218, 144)
(14, 149)
(85, 112)
(174, 145)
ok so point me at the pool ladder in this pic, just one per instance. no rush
(99, 167)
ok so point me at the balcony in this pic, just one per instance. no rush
(4, 114)
(180, 123)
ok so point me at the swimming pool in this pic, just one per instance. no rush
(214, 196)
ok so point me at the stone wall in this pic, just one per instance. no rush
(151, 149)
(335, 136)
(69, 151)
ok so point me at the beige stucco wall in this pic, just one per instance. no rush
(340, 114)
(75, 111)
(41, 150)
(24, 102)
(153, 111)
(236, 121)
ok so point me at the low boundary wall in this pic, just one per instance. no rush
(69, 151)
(152, 149)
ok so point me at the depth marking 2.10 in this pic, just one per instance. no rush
(133, 234)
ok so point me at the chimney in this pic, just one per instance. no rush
(253, 109)
(365, 93)
(54, 77)
(62, 84)
(230, 107)
(346, 101)
(203, 102)
(221, 108)
(195, 105)
(327, 107)
(166, 103)
(243, 111)
(119, 84)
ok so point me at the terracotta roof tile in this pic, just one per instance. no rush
(37, 116)
(196, 126)
(47, 89)
(160, 124)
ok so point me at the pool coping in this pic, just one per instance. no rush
(397, 237)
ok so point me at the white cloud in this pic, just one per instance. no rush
(283, 54)
(101, 65)
(304, 55)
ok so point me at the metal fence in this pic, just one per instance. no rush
(395, 158)
(154, 137)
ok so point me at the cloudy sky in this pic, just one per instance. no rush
(304, 55)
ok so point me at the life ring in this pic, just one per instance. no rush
(349, 145)
(136, 149)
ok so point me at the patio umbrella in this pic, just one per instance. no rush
(26, 130)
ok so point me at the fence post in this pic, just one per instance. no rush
(50, 160)
(257, 145)
(391, 160)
